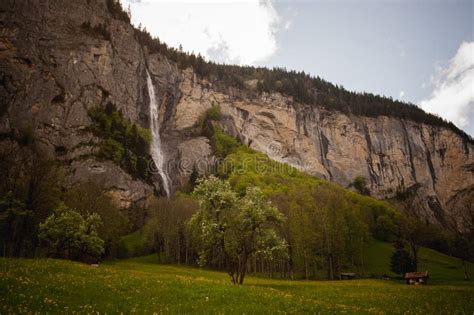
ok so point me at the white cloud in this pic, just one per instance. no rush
(401, 94)
(453, 88)
(403, 53)
(241, 32)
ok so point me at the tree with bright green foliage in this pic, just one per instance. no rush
(67, 234)
(230, 229)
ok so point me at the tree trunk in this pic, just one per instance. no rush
(233, 277)
(290, 261)
(179, 249)
(241, 278)
(305, 264)
(414, 250)
(466, 274)
(186, 251)
(331, 267)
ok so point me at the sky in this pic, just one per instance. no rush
(419, 51)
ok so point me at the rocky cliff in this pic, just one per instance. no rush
(59, 59)
(393, 155)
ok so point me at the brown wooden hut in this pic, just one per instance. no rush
(347, 276)
(417, 277)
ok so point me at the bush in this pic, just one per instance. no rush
(360, 185)
(223, 145)
(206, 120)
(214, 113)
(112, 150)
(99, 30)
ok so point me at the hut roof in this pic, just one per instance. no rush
(415, 275)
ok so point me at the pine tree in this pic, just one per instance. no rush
(401, 261)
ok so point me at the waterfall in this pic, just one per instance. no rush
(156, 152)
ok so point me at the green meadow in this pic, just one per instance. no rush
(141, 285)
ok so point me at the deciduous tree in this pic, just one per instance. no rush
(67, 234)
(230, 230)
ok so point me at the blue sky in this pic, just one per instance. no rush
(417, 51)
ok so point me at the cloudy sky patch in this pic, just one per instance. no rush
(452, 96)
(238, 32)
(409, 50)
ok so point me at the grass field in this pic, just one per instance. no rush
(141, 285)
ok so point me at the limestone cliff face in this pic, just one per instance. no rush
(53, 69)
(391, 154)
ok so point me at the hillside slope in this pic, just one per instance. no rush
(442, 268)
(61, 59)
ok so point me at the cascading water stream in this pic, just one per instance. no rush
(156, 152)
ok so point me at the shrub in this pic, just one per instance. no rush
(112, 150)
(214, 113)
(360, 185)
(206, 120)
(99, 31)
(223, 144)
